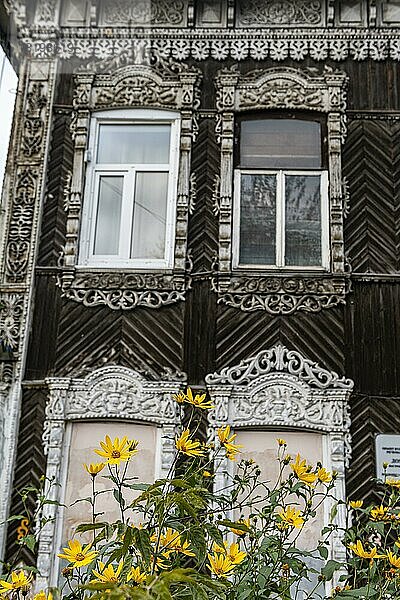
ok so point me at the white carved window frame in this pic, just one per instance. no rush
(283, 89)
(110, 393)
(94, 171)
(142, 87)
(280, 389)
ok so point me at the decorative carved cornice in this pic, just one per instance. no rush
(337, 44)
(279, 359)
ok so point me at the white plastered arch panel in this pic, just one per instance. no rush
(279, 389)
(110, 394)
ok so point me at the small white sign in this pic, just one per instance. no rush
(387, 450)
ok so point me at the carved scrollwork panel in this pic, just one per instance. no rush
(279, 359)
(256, 13)
(144, 13)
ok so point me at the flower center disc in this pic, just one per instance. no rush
(115, 454)
(80, 556)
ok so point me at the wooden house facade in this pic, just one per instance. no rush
(205, 194)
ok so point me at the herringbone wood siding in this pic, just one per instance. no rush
(30, 466)
(370, 416)
(319, 337)
(371, 166)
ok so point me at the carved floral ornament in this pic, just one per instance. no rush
(174, 87)
(279, 388)
(108, 393)
(281, 88)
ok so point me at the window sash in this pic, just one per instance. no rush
(280, 232)
(128, 171)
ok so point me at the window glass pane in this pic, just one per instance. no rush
(150, 215)
(257, 219)
(137, 144)
(303, 220)
(108, 217)
(280, 143)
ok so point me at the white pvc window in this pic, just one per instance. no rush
(130, 202)
(281, 211)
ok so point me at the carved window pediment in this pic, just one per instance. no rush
(109, 394)
(133, 86)
(280, 390)
(281, 89)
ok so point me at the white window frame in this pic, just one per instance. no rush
(280, 220)
(95, 170)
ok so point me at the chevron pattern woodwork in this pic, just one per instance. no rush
(144, 340)
(370, 415)
(318, 336)
(203, 223)
(53, 223)
(30, 465)
(371, 166)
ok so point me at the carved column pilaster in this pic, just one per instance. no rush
(22, 199)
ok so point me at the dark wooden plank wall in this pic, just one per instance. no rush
(360, 340)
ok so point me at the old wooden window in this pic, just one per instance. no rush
(129, 209)
(281, 195)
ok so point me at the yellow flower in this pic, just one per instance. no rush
(18, 580)
(226, 439)
(379, 513)
(187, 446)
(241, 532)
(179, 398)
(393, 483)
(43, 596)
(116, 451)
(199, 400)
(94, 468)
(235, 555)
(171, 541)
(394, 560)
(302, 471)
(78, 556)
(220, 565)
(324, 476)
(291, 517)
(136, 576)
(207, 474)
(281, 442)
(107, 574)
(356, 503)
(360, 551)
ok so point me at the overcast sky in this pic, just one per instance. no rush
(8, 88)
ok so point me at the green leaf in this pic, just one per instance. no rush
(323, 551)
(330, 568)
(142, 542)
(29, 541)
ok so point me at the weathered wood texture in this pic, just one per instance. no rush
(30, 466)
(371, 165)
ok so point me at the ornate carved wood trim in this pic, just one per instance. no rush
(281, 88)
(278, 44)
(22, 200)
(131, 86)
(108, 393)
(280, 388)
